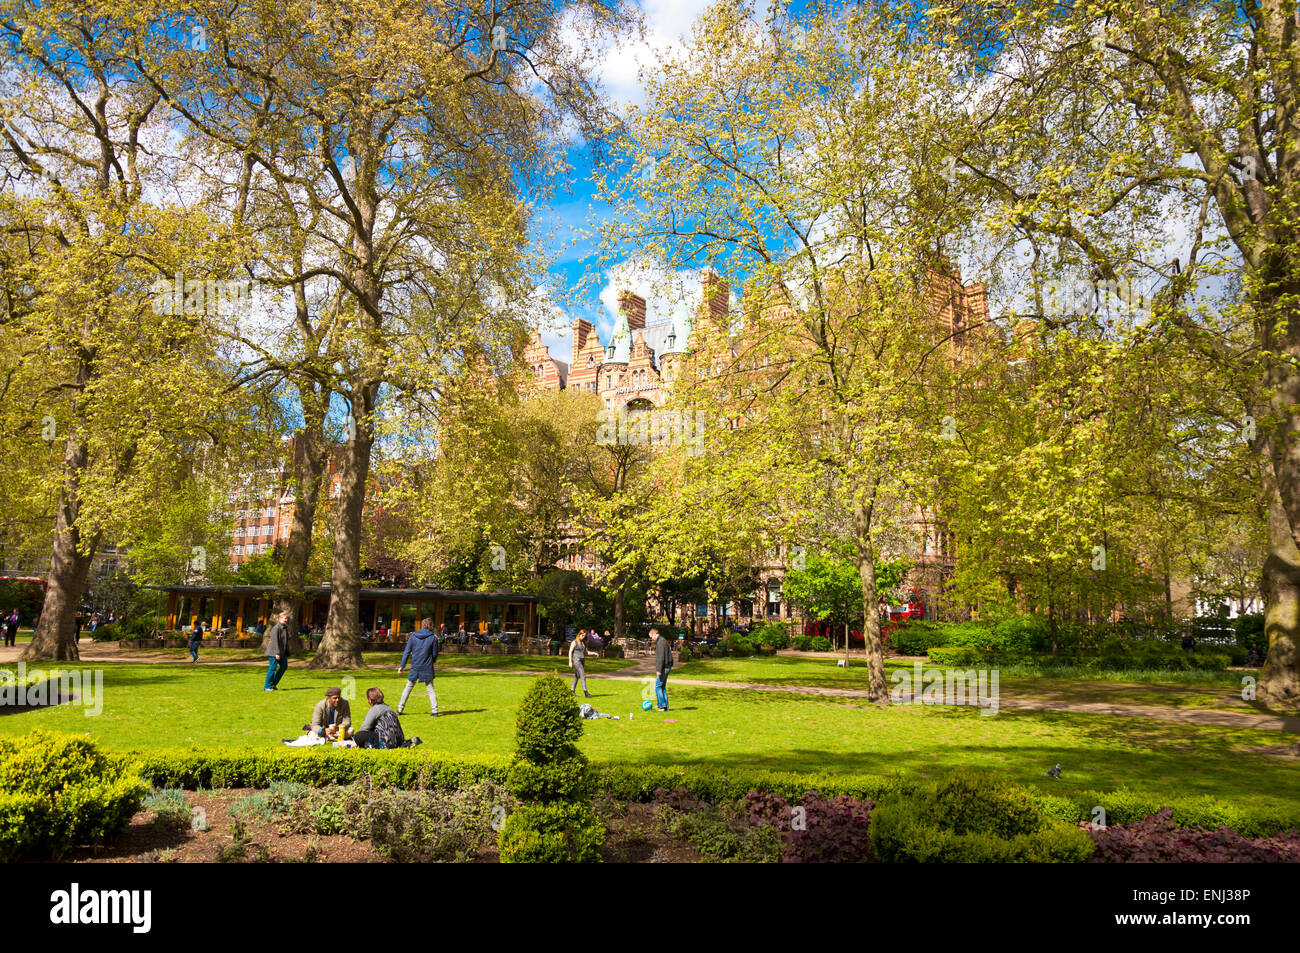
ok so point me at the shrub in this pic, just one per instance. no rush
(408, 826)
(1024, 633)
(550, 771)
(551, 833)
(915, 638)
(955, 655)
(548, 722)
(271, 803)
(107, 633)
(971, 817)
(802, 642)
(235, 768)
(721, 832)
(834, 830)
(820, 644)
(565, 780)
(1249, 630)
(171, 812)
(1157, 839)
(772, 635)
(57, 791)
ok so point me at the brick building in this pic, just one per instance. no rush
(635, 369)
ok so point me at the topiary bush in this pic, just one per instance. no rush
(58, 791)
(558, 825)
(972, 817)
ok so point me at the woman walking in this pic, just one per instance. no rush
(577, 660)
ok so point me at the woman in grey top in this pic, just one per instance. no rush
(577, 656)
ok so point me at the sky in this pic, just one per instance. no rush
(582, 286)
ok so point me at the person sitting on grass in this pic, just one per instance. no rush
(330, 714)
(380, 729)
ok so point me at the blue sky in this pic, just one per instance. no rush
(583, 288)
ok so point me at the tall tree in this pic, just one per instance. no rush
(799, 158)
(1157, 142)
(117, 376)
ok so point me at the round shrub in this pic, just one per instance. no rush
(548, 721)
(60, 791)
(801, 642)
(820, 644)
(553, 833)
(566, 779)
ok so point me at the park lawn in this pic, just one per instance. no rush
(156, 706)
(1161, 690)
(382, 660)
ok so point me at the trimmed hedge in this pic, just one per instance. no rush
(57, 790)
(232, 768)
(627, 781)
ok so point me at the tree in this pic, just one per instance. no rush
(116, 378)
(1082, 137)
(800, 159)
(828, 589)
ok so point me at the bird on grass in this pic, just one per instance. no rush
(1054, 772)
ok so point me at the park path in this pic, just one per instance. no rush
(644, 668)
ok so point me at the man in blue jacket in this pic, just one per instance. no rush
(422, 650)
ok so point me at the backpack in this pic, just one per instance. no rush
(388, 731)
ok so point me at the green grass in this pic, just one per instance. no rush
(151, 706)
(381, 660)
(1213, 690)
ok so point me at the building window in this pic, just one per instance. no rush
(591, 361)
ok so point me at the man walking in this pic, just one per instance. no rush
(422, 650)
(663, 665)
(196, 639)
(277, 652)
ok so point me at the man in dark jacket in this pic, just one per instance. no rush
(277, 652)
(422, 650)
(663, 665)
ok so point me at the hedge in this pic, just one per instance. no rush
(628, 781)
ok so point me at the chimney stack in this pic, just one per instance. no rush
(717, 298)
(633, 306)
(582, 331)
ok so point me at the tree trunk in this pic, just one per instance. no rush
(1278, 686)
(877, 690)
(618, 612)
(341, 646)
(69, 567)
(307, 483)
